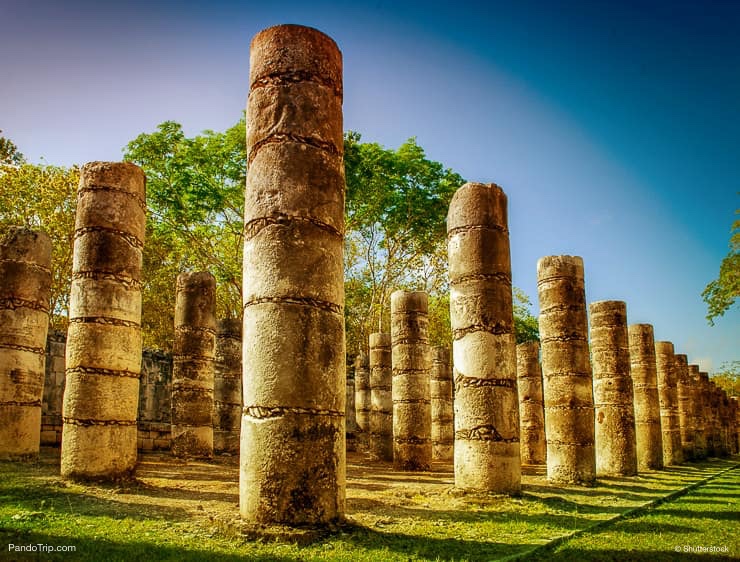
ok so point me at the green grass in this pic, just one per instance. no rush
(701, 525)
(391, 516)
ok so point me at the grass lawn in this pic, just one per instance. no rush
(702, 525)
(189, 511)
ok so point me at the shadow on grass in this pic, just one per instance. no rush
(713, 515)
(429, 548)
(637, 526)
(60, 500)
(606, 555)
(558, 502)
(555, 521)
(95, 550)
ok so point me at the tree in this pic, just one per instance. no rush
(728, 378)
(397, 203)
(9, 153)
(721, 293)
(44, 197)
(195, 199)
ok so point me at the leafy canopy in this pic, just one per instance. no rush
(721, 293)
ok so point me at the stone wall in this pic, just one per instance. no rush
(154, 396)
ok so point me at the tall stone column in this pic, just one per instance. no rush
(227, 386)
(443, 428)
(381, 398)
(685, 406)
(670, 425)
(25, 288)
(293, 423)
(484, 344)
(103, 357)
(193, 365)
(531, 403)
(647, 405)
(363, 404)
(699, 413)
(724, 449)
(351, 427)
(566, 370)
(616, 449)
(710, 414)
(412, 410)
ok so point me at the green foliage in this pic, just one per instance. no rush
(195, 197)
(397, 203)
(9, 153)
(44, 197)
(721, 293)
(728, 378)
(526, 325)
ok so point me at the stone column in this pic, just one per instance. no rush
(685, 406)
(103, 356)
(412, 410)
(699, 413)
(566, 369)
(647, 405)
(381, 412)
(193, 365)
(351, 427)
(227, 386)
(724, 428)
(443, 428)
(670, 424)
(25, 288)
(484, 344)
(362, 392)
(710, 414)
(531, 403)
(616, 449)
(293, 426)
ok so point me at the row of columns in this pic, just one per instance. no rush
(292, 467)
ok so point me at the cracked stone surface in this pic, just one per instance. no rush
(25, 288)
(292, 467)
(487, 455)
(566, 370)
(103, 355)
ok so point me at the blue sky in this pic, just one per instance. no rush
(614, 127)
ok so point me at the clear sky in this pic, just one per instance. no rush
(614, 127)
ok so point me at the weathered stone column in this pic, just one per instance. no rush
(25, 288)
(484, 344)
(647, 405)
(193, 365)
(531, 403)
(670, 424)
(227, 386)
(724, 429)
(443, 427)
(685, 406)
(362, 391)
(566, 370)
(699, 413)
(351, 427)
(293, 427)
(616, 448)
(103, 358)
(412, 410)
(381, 398)
(710, 414)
